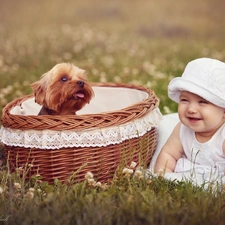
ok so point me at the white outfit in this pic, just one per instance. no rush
(164, 129)
(208, 162)
(203, 163)
(205, 157)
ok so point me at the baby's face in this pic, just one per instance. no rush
(199, 114)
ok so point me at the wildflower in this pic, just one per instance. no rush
(139, 174)
(149, 84)
(17, 185)
(91, 182)
(19, 170)
(135, 71)
(148, 181)
(161, 173)
(126, 70)
(89, 175)
(1, 190)
(49, 197)
(104, 186)
(133, 164)
(29, 194)
(117, 79)
(31, 189)
(136, 82)
(127, 171)
(98, 184)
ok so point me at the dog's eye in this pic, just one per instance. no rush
(64, 79)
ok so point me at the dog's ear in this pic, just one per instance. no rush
(39, 89)
(39, 92)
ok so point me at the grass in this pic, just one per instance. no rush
(130, 41)
(127, 200)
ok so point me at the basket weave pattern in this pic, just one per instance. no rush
(102, 161)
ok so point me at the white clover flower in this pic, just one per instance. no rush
(91, 182)
(127, 171)
(133, 164)
(104, 186)
(89, 175)
(136, 82)
(139, 173)
(17, 185)
(117, 79)
(161, 173)
(126, 70)
(149, 181)
(30, 194)
(135, 71)
(103, 79)
(19, 170)
(31, 189)
(98, 184)
(149, 84)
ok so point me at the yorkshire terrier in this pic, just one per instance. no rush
(63, 90)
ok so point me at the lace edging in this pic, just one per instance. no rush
(49, 139)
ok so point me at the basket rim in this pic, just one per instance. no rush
(84, 121)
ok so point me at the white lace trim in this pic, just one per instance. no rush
(50, 139)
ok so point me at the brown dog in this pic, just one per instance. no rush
(63, 90)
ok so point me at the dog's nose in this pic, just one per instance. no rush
(80, 83)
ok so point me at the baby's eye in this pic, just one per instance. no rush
(183, 100)
(203, 101)
(64, 79)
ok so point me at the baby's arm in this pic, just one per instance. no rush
(171, 152)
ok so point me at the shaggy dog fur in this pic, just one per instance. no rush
(63, 90)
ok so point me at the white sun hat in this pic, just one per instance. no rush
(204, 77)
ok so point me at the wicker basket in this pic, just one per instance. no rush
(61, 160)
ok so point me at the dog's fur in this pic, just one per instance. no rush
(63, 90)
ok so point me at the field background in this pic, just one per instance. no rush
(143, 42)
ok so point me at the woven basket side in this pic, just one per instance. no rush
(101, 161)
(75, 122)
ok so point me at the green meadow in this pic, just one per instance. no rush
(141, 42)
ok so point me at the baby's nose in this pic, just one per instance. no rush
(192, 108)
(80, 83)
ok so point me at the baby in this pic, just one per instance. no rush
(195, 150)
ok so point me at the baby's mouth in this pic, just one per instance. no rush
(193, 119)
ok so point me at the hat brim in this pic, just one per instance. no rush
(180, 84)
